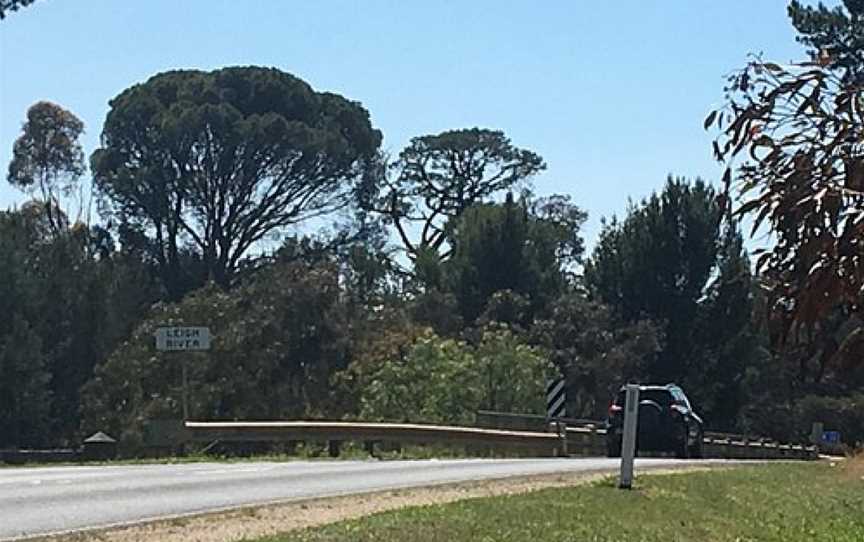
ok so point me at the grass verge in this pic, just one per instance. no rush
(787, 502)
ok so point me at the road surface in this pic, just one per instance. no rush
(43, 500)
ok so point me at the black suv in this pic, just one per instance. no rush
(666, 423)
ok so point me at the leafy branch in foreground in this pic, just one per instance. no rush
(791, 137)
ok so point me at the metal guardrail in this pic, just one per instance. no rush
(20, 457)
(546, 440)
(509, 420)
(588, 437)
(372, 432)
(737, 437)
(94, 448)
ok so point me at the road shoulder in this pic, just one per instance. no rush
(264, 520)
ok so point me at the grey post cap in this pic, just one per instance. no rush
(99, 437)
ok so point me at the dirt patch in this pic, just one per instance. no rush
(257, 521)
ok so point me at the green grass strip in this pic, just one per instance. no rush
(780, 502)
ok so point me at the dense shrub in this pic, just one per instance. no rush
(447, 381)
(844, 414)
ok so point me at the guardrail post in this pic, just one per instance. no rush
(333, 447)
(369, 446)
(562, 435)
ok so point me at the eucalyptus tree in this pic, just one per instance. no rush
(47, 158)
(213, 162)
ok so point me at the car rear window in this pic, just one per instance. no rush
(661, 397)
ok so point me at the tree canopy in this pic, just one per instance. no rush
(834, 36)
(657, 260)
(500, 373)
(439, 177)
(47, 158)
(7, 6)
(670, 261)
(218, 160)
(509, 246)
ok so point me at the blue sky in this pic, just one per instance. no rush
(611, 94)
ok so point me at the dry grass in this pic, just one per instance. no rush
(853, 467)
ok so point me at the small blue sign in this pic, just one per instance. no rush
(831, 437)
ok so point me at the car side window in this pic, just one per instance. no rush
(661, 397)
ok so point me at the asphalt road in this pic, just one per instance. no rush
(43, 500)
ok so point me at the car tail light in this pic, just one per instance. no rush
(614, 409)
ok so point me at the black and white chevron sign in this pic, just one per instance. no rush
(555, 398)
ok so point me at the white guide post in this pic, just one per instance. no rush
(628, 438)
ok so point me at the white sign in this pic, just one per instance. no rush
(182, 338)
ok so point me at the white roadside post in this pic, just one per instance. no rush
(628, 438)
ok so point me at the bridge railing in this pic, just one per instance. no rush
(587, 437)
(554, 439)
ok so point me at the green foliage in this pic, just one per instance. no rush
(513, 374)
(595, 351)
(447, 381)
(429, 269)
(438, 310)
(835, 36)
(843, 413)
(440, 176)
(508, 247)
(509, 308)
(657, 263)
(48, 157)
(67, 300)
(559, 222)
(489, 255)
(218, 160)
(658, 260)
(366, 268)
(278, 342)
(725, 343)
(670, 261)
(24, 392)
(434, 383)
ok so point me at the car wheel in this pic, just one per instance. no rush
(697, 450)
(682, 448)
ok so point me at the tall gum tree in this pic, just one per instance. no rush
(215, 161)
(438, 177)
(47, 158)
